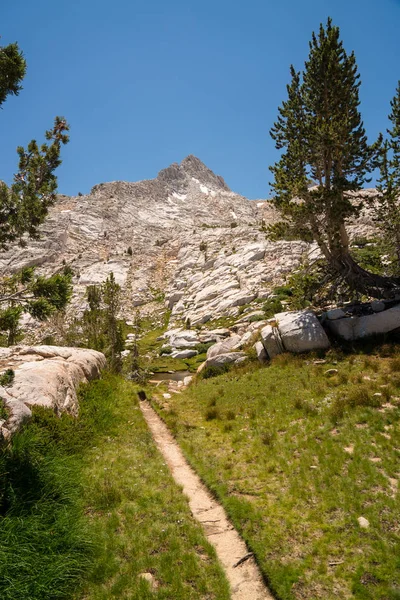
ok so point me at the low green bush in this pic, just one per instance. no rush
(272, 306)
(255, 318)
(214, 371)
(283, 291)
(7, 377)
(202, 348)
(167, 350)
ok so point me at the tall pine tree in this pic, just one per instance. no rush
(387, 205)
(325, 155)
(25, 203)
(24, 206)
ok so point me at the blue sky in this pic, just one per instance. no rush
(145, 83)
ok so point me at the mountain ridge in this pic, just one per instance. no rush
(190, 238)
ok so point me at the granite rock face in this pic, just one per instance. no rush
(47, 376)
(184, 236)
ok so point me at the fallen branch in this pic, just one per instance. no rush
(243, 559)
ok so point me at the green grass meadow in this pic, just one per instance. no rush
(89, 511)
(297, 451)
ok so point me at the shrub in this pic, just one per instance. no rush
(234, 224)
(355, 397)
(369, 255)
(272, 306)
(283, 291)
(228, 427)
(3, 410)
(212, 413)
(202, 348)
(308, 407)
(7, 377)
(308, 283)
(267, 437)
(255, 318)
(214, 371)
(166, 350)
(203, 246)
(361, 396)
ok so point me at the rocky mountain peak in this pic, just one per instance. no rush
(188, 235)
(177, 176)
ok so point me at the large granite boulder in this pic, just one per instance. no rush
(271, 341)
(355, 328)
(301, 331)
(227, 345)
(261, 353)
(47, 376)
(182, 354)
(227, 358)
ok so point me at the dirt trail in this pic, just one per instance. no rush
(245, 579)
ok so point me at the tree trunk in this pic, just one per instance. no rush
(364, 281)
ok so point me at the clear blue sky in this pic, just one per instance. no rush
(145, 83)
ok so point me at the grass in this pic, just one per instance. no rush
(150, 348)
(296, 456)
(87, 506)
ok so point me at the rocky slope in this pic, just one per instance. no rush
(184, 233)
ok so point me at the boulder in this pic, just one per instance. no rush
(253, 252)
(222, 332)
(256, 325)
(271, 340)
(246, 338)
(261, 352)
(227, 358)
(184, 354)
(225, 346)
(301, 331)
(174, 298)
(355, 328)
(47, 376)
(335, 313)
(378, 306)
(184, 338)
(186, 334)
(211, 291)
(182, 343)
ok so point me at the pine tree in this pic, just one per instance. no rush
(24, 206)
(12, 71)
(26, 292)
(387, 205)
(111, 292)
(325, 155)
(93, 319)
